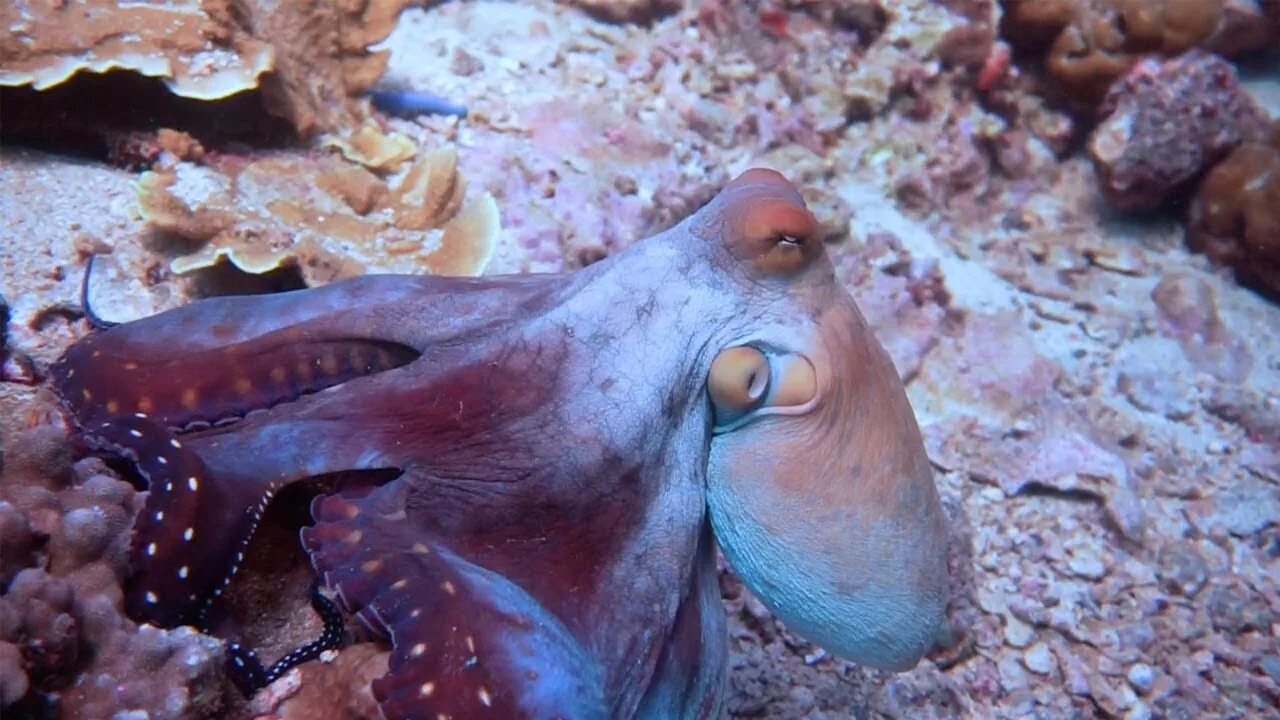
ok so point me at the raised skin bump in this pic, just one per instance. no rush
(560, 467)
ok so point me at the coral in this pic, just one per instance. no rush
(330, 217)
(1246, 25)
(198, 53)
(46, 632)
(1165, 122)
(1235, 216)
(163, 673)
(1090, 43)
(310, 60)
(65, 530)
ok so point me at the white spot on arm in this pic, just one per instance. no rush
(188, 534)
(193, 483)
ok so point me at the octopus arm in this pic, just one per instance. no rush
(218, 359)
(466, 642)
(182, 554)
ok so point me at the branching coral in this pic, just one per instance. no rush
(330, 217)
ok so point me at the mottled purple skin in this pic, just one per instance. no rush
(546, 550)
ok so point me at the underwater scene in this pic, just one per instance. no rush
(655, 359)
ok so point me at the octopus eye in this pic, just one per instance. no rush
(744, 381)
(738, 380)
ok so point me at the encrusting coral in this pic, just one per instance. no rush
(331, 217)
(1235, 217)
(1090, 43)
(310, 60)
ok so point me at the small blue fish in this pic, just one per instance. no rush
(410, 103)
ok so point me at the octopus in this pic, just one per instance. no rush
(559, 455)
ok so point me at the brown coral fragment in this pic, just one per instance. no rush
(329, 217)
(1235, 217)
(373, 148)
(66, 648)
(430, 193)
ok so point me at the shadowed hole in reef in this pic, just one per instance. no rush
(227, 279)
(266, 605)
(1035, 489)
(112, 116)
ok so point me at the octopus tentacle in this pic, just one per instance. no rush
(465, 641)
(249, 674)
(89, 314)
(182, 554)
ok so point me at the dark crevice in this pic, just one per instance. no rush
(113, 117)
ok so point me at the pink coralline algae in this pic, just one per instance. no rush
(1167, 121)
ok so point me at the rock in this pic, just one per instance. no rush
(1188, 311)
(1017, 633)
(1238, 609)
(1242, 510)
(1181, 569)
(1141, 677)
(1038, 659)
(1012, 676)
(1086, 561)
(1165, 122)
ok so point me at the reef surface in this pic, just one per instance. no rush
(1099, 393)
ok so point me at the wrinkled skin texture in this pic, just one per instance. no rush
(566, 447)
